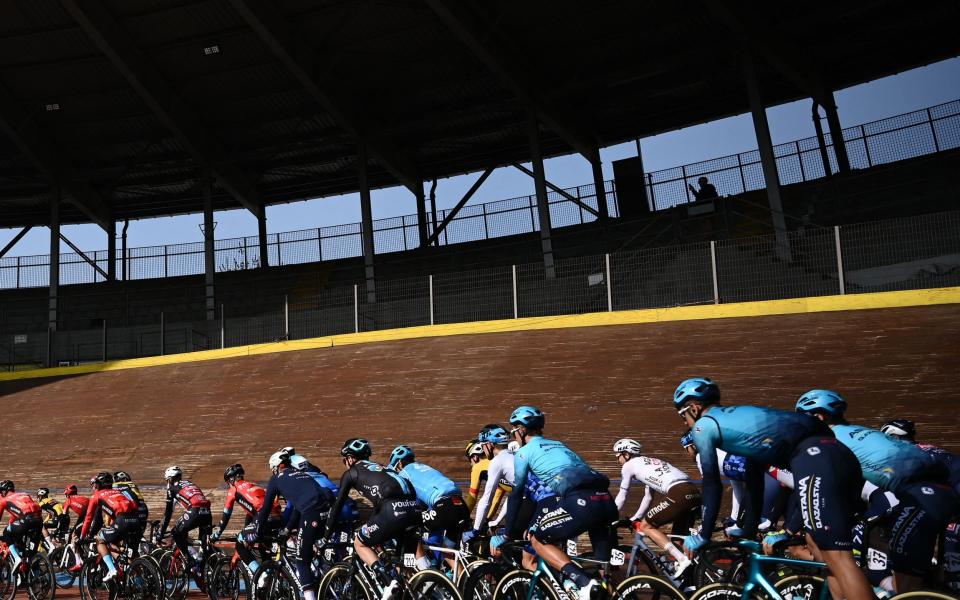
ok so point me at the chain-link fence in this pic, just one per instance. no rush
(901, 137)
(907, 253)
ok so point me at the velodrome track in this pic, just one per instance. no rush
(595, 384)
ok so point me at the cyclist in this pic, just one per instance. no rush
(479, 469)
(905, 429)
(446, 515)
(493, 440)
(927, 504)
(669, 497)
(26, 521)
(827, 473)
(78, 504)
(311, 505)
(196, 513)
(124, 482)
(119, 509)
(53, 515)
(582, 502)
(733, 468)
(349, 513)
(395, 506)
(250, 498)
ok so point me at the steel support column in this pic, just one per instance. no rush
(421, 215)
(598, 184)
(366, 230)
(836, 133)
(540, 182)
(111, 251)
(561, 191)
(209, 254)
(262, 237)
(768, 160)
(821, 140)
(435, 236)
(54, 261)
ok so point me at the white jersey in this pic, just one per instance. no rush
(500, 470)
(655, 474)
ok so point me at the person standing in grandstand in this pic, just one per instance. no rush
(249, 496)
(927, 503)
(25, 523)
(582, 502)
(196, 513)
(669, 497)
(119, 509)
(769, 437)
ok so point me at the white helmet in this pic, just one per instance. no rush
(173, 471)
(289, 450)
(278, 458)
(513, 446)
(299, 462)
(629, 446)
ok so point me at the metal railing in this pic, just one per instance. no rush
(908, 253)
(901, 137)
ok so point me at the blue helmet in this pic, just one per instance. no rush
(357, 448)
(686, 440)
(696, 388)
(404, 453)
(528, 416)
(826, 401)
(494, 434)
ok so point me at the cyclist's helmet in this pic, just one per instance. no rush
(299, 462)
(43, 493)
(102, 480)
(358, 448)
(473, 448)
(70, 490)
(900, 428)
(494, 434)
(401, 453)
(288, 450)
(276, 459)
(7, 486)
(701, 389)
(528, 416)
(513, 446)
(822, 401)
(121, 477)
(173, 472)
(686, 440)
(632, 447)
(232, 471)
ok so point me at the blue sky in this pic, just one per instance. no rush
(867, 102)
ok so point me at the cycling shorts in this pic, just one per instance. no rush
(124, 527)
(391, 520)
(449, 515)
(677, 506)
(924, 512)
(26, 527)
(565, 517)
(828, 483)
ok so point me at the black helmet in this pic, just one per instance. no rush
(121, 477)
(102, 480)
(43, 493)
(7, 486)
(233, 471)
(356, 447)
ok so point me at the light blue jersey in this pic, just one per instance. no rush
(557, 466)
(429, 484)
(886, 462)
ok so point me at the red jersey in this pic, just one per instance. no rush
(187, 494)
(112, 502)
(19, 505)
(250, 498)
(77, 504)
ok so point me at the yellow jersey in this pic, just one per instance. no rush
(51, 510)
(478, 476)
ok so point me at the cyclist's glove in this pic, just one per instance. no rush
(772, 539)
(215, 536)
(497, 541)
(469, 535)
(694, 542)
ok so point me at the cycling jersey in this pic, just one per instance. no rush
(250, 498)
(656, 475)
(537, 490)
(374, 482)
(888, 463)
(429, 484)
(52, 510)
(300, 490)
(188, 495)
(19, 505)
(348, 513)
(77, 504)
(130, 490)
(499, 474)
(110, 502)
(949, 460)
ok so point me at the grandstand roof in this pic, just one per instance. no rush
(122, 102)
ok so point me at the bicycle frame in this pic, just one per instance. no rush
(756, 578)
(544, 570)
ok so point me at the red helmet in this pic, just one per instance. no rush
(70, 491)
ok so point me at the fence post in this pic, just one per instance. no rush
(686, 189)
(163, 334)
(164, 261)
(431, 299)
(104, 341)
(840, 278)
(866, 146)
(223, 329)
(515, 311)
(743, 178)
(933, 130)
(713, 271)
(486, 231)
(533, 223)
(286, 317)
(653, 195)
(356, 310)
(18, 272)
(609, 285)
(319, 246)
(803, 173)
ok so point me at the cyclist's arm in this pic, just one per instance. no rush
(346, 484)
(167, 512)
(520, 469)
(227, 510)
(644, 504)
(483, 504)
(269, 496)
(476, 478)
(707, 437)
(625, 477)
(88, 518)
(501, 515)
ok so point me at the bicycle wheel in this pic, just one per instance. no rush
(647, 587)
(173, 570)
(718, 563)
(143, 581)
(430, 584)
(464, 574)
(61, 563)
(41, 583)
(92, 586)
(515, 585)
(231, 583)
(718, 591)
(273, 582)
(800, 587)
(338, 585)
(921, 595)
(8, 580)
(480, 582)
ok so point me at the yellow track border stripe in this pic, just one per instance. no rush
(928, 297)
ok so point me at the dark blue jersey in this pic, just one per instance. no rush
(300, 490)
